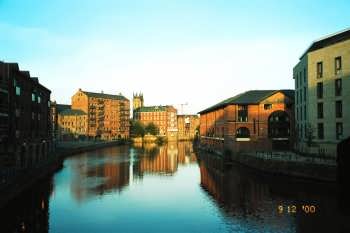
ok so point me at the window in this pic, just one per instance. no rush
(296, 81)
(305, 94)
(39, 99)
(297, 96)
(305, 131)
(338, 109)
(242, 132)
(320, 131)
(339, 130)
(305, 112)
(338, 87)
(319, 110)
(337, 65)
(33, 97)
(242, 113)
(319, 69)
(18, 90)
(267, 106)
(320, 90)
(304, 75)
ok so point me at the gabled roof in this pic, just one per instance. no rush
(104, 96)
(328, 40)
(152, 109)
(248, 97)
(70, 112)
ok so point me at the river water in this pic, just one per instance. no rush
(170, 189)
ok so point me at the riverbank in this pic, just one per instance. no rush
(21, 179)
(285, 164)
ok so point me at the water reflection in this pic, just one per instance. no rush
(112, 169)
(255, 198)
(169, 188)
(30, 213)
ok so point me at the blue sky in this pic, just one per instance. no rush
(198, 52)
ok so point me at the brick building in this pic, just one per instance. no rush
(25, 126)
(72, 124)
(164, 117)
(322, 95)
(187, 126)
(253, 120)
(107, 115)
(55, 110)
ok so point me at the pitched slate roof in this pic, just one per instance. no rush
(75, 112)
(328, 40)
(152, 109)
(104, 96)
(248, 97)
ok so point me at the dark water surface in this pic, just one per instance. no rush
(169, 189)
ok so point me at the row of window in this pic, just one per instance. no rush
(301, 113)
(300, 95)
(338, 87)
(338, 109)
(338, 130)
(337, 67)
(299, 78)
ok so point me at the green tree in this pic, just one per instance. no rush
(152, 129)
(137, 129)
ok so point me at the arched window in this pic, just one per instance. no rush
(242, 132)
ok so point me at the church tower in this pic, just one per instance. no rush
(137, 101)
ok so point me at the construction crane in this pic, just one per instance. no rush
(182, 107)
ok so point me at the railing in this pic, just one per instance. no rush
(292, 156)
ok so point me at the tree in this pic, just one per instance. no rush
(137, 129)
(152, 129)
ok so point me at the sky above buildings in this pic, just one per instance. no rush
(197, 52)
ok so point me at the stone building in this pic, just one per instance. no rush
(108, 115)
(25, 126)
(187, 126)
(251, 121)
(322, 94)
(137, 101)
(72, 124)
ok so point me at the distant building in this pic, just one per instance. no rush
(322, 94)
(55, 110)
(25, 125)
(187, 126)
(108, 115)
(72, 124)
(137, 101)
(164, 117)
(253, 120)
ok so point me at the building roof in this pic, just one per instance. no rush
(248, 97)
(75, 112)
(328, 40)
(152, 109)
(104, 96)
(62, 107)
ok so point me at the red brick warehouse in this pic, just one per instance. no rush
(251, 121)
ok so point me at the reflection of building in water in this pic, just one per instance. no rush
(185, 152)
(30, 212)
(106, 173)
(165, 161)
(243, 193)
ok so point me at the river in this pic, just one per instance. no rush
(170, 188)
